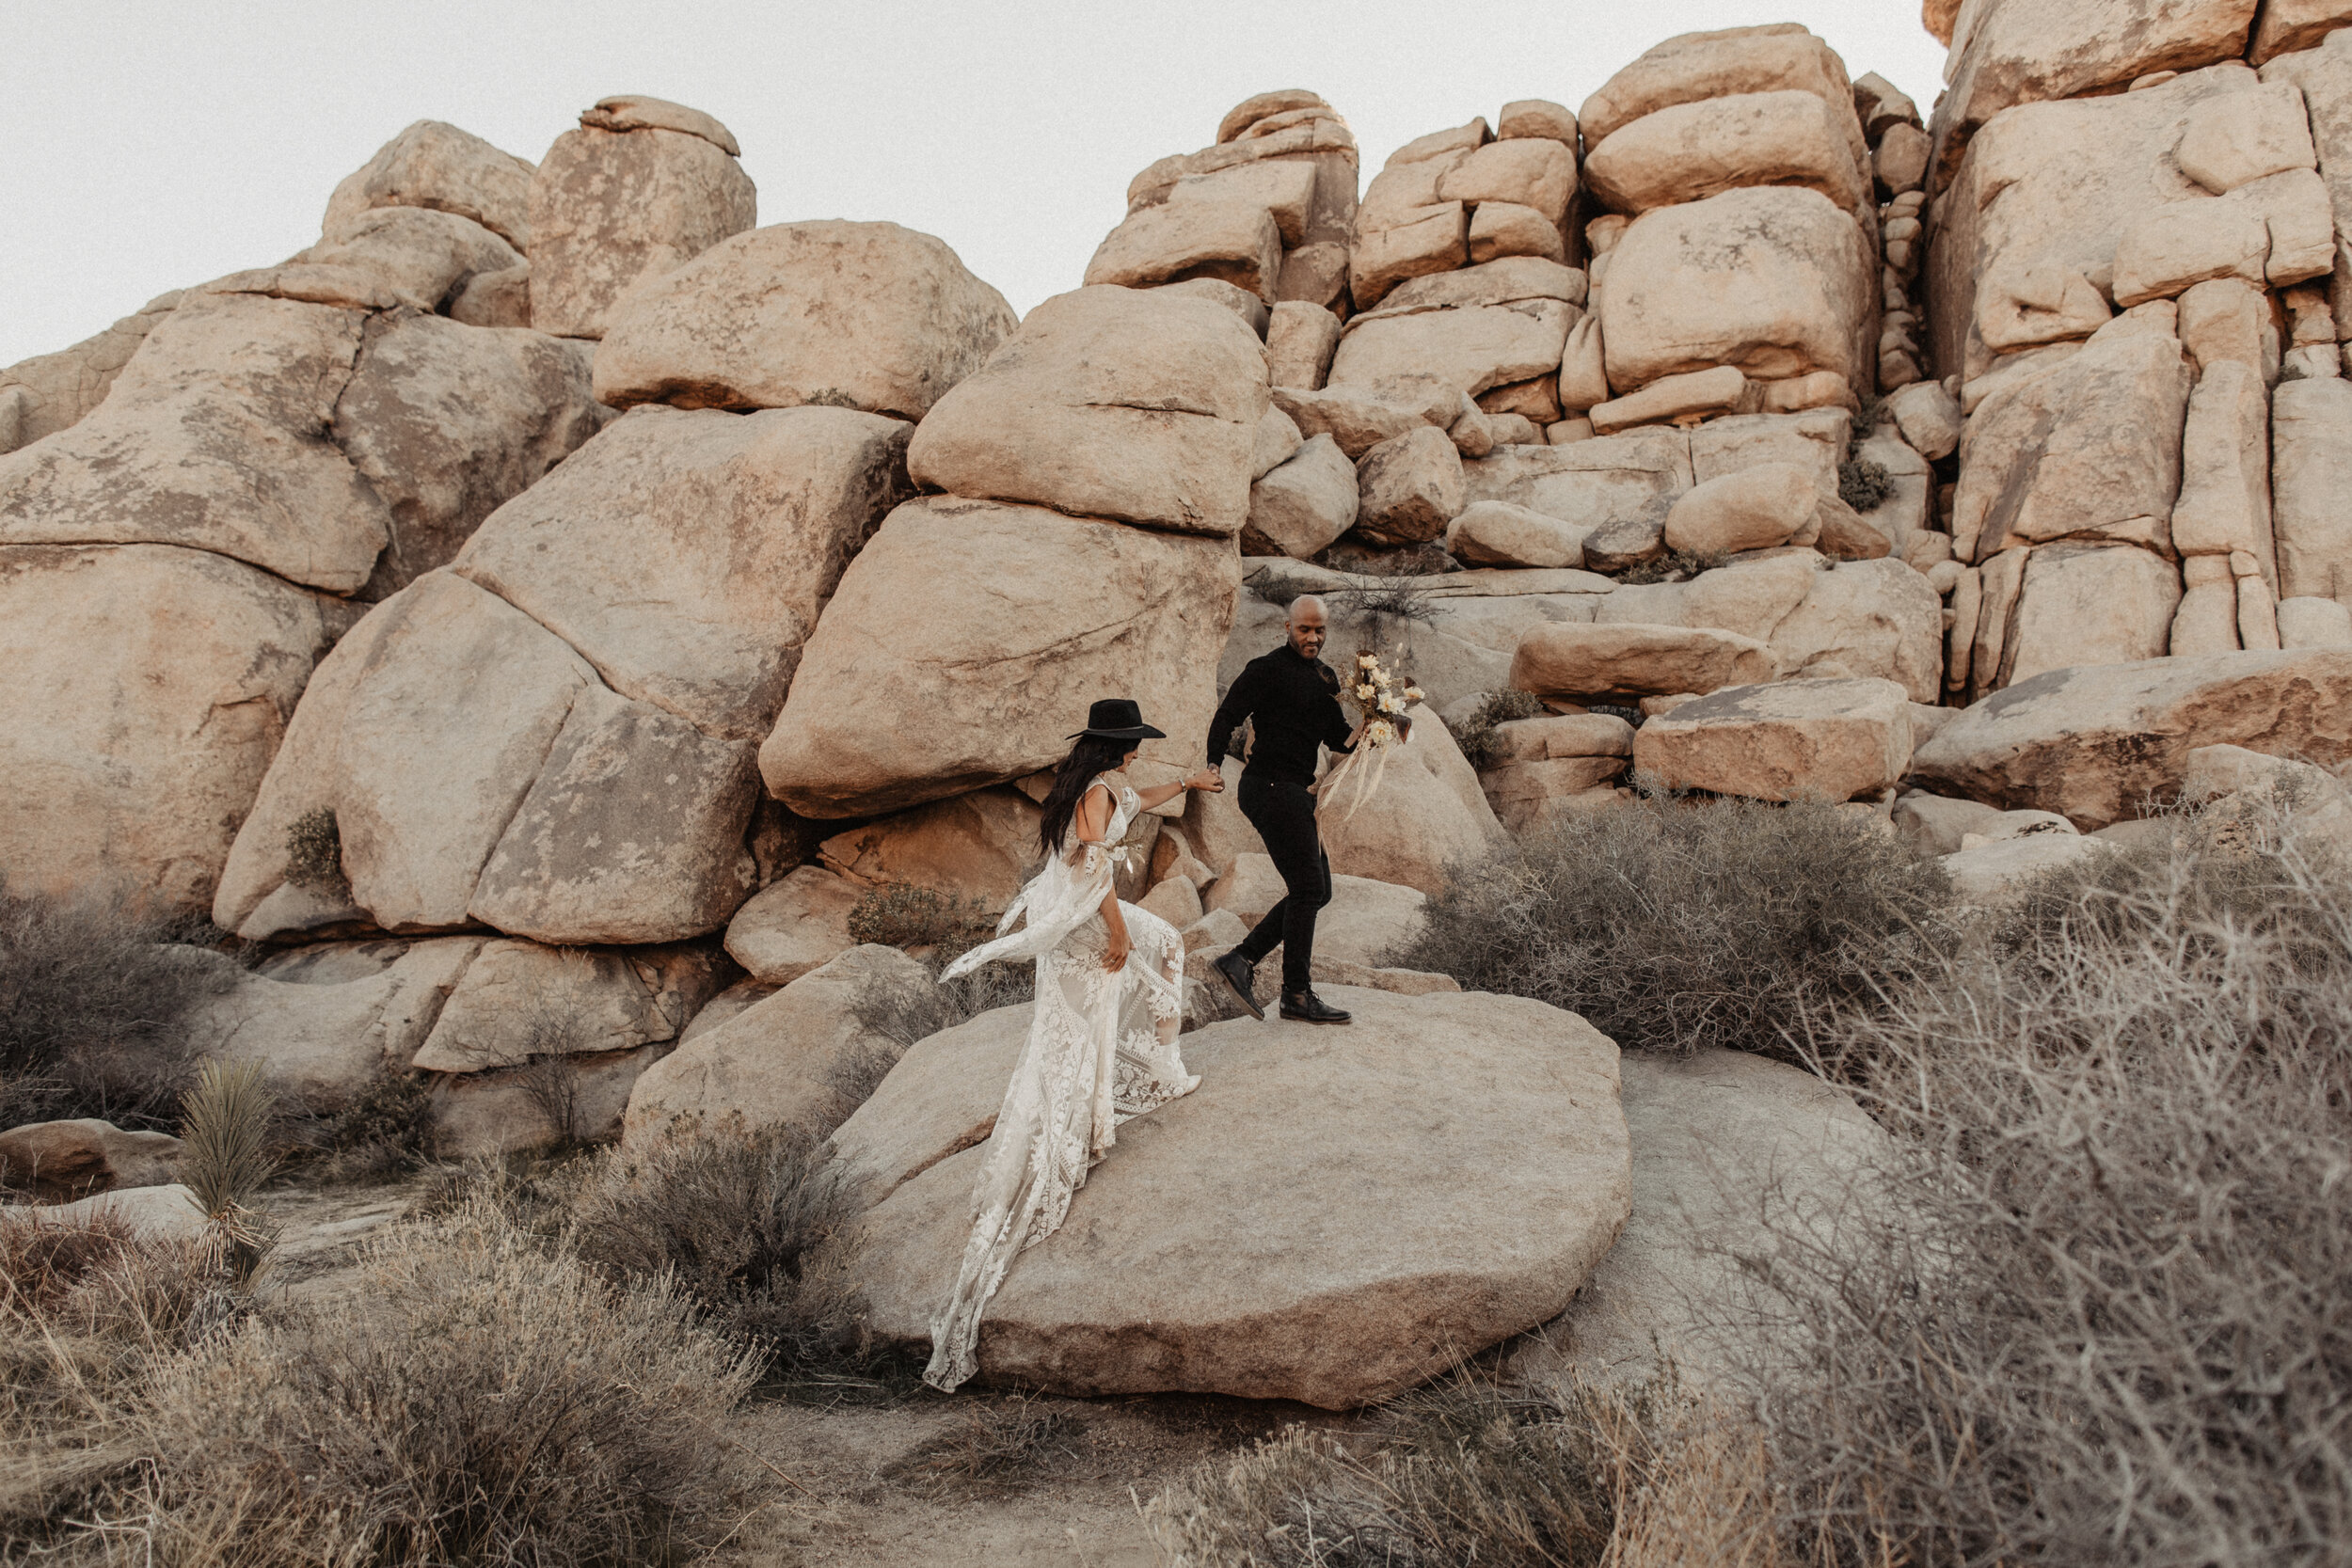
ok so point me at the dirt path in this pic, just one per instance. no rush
(981, 1479)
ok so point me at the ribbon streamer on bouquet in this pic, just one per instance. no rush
(1352, 770)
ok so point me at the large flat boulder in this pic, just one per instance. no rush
(798, 1058)
(1776, 280)
(1690, 152)
(1729, 1151)
(2311, 473)
(478, 770)
(53, 392)
(857, 315)
(150, 687)
(981, 846)
(688, 555)
(215, 438)
(1427, 821)
(798, 923)
(2100, 744)
(612, 210)
(1585, 483)
(1483, 327)
(1000, 624)
(2091, 448)
(1567, 660)
(60, 1160)
(436, 164)
(2008, 55)
(2089, 604)
(1691, 67)
(1235, 241)
(1791, 740)
(446, 421)
(1214, 1252)
(1136, 405)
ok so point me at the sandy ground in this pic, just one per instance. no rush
(904, 1478)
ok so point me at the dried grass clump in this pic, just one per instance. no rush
(1470, 1473)
(386, 1132)
(1475, 731)
(487, 1399)
(1673, 566)
(753, 1228)
(1673, 924)
(2107, 1315)
(994, 1446)
(84, 1311)
(92, 997)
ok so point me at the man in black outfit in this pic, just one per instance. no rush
(1292, 698)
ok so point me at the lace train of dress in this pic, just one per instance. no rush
(1102, 1049)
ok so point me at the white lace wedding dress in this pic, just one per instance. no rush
(1102, 1049)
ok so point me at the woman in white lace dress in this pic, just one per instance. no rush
(1103, 1037)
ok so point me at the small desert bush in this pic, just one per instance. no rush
(753, 1228)
(314, 852)
(489, 1397)
(1675, 925)
(92, 998)
(1475, 732)
(1398, 599)
(1471, 1473)
(385, 1132)
(2102, 1311)
(1863, 483)
(907, 914)
(1672, 567)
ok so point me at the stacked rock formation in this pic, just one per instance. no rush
(558, 621)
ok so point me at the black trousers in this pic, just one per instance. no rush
(1284, 815)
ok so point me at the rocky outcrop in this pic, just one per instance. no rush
(998, 623)
(854, 315)
(622, 201)
(800, 1058)
(2105, 743)
(1273, 1283)
(57, 1162)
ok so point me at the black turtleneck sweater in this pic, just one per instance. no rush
(1293, 702)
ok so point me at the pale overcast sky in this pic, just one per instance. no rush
(157, 143)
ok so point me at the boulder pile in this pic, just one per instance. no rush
(597, 649)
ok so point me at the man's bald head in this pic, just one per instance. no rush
(1307, 623)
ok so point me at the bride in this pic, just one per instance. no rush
(1103, 1037)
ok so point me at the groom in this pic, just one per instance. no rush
(1292, 698)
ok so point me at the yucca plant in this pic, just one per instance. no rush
(225, 1130)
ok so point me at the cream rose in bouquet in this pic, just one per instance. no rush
(1381, 695)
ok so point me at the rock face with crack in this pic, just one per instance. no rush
(1266, 1277)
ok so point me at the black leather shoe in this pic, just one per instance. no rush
(1238, 973)
(1305, 1006)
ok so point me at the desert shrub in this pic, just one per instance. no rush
(385, 1132)
(92, 999)
(1470, 1473)
(2104, 1311)
(750, 1227)
(1676, 925)
(905, 1020)
(1398, 599)
(1863, 483)
(1475, 732)
(315, 852)
(492, 1399)
(907, 914)
(1672, 567)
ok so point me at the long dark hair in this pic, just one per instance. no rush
(1092, 754)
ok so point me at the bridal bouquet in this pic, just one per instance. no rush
(1380, 695)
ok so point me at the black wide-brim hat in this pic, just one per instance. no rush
(1118, 719)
